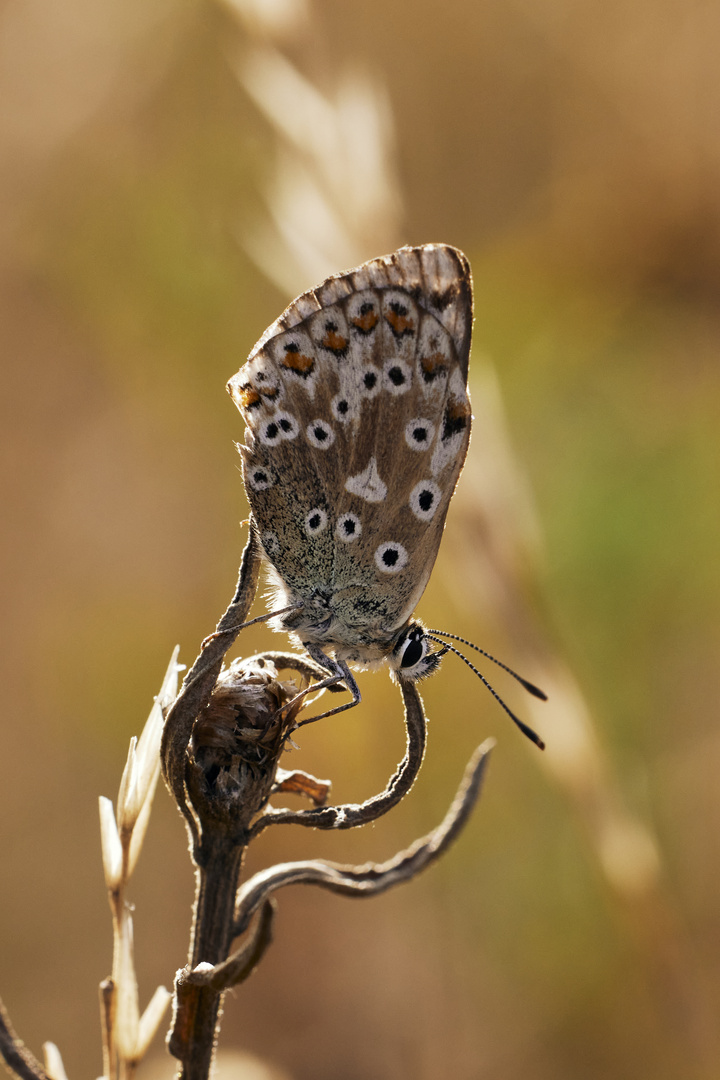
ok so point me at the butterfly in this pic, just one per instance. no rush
(358, 422)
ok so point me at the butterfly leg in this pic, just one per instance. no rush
(339, 672)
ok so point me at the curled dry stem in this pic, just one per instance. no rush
(373, 878)
(200, 681)
(350, 815)
(241, 963)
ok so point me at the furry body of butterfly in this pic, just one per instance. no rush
(358, 423)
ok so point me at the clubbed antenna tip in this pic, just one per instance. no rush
(532, 689)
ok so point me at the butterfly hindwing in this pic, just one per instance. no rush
(358, 423)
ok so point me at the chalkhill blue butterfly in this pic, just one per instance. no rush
(357, 426)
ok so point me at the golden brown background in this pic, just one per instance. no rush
(573, 151)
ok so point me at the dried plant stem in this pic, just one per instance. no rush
(107, 1008)
(222, 743)
(200, 681)
(193, 1040)
(15, 1054)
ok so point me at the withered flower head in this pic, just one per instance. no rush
(238, 738)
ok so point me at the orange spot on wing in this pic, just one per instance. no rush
(298, 362)
(247, 397)
(334, 341)
(434, 364)
(367, 321)
(399, 323)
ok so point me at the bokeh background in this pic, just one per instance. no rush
(170, 174)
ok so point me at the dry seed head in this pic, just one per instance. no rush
(142, 769)
(239, 737)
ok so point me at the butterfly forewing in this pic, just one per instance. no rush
(358, 423)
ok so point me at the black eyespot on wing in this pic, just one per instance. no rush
(342, 406)
(396, 375)
(320, 434)
(425, 499)
(348, 528)
(391, 557)
(259, 479)
(370, 380)
(315, 520)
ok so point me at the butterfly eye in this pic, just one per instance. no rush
(412, 657)
(414, 650)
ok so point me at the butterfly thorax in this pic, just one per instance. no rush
(323, 619)
(330, 618)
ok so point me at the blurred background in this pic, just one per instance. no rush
(171, 174)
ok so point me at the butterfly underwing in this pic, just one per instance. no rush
(357, 426)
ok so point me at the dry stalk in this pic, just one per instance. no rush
(224, 737)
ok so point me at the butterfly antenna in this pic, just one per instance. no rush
(530, 687)
(526, 730)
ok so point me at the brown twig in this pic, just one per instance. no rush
(350, 815)
(16, 1055)
(373, 878)
(199, 682)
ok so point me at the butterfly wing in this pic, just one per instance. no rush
(358, 422)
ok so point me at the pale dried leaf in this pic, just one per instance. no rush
(151, 1018)
(112, 855)
(53, 1062)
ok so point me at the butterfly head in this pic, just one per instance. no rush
(411, 656)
